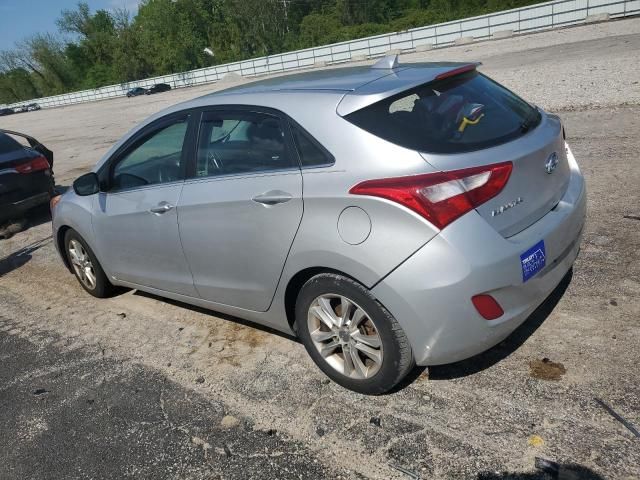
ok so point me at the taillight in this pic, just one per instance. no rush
(444, 196)
(35, 165)
(457, 71)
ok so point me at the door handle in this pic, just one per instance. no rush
(163, 207)
(272, 197)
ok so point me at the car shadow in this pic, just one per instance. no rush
(33, 218)
(60, 189)
(224, 316)
(460, 369)
(18, 258)
(509, 345)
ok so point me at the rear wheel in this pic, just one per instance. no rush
(351, 336)
(85, 266)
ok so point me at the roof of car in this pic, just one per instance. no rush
(343, 79)
(343, 90)
(356, 87)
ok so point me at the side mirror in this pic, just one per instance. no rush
(87, 184)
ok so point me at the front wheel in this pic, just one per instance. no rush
(352, 338)
(86, 267)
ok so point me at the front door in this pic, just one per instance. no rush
(136, 223)
(239, 213)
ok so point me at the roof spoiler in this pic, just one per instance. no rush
(457, 71)
(388, 62)
(398, 78)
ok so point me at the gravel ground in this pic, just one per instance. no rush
(137, 386)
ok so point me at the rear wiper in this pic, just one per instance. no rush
(530, 120)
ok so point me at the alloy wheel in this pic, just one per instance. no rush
(345, 336)
(82, 264)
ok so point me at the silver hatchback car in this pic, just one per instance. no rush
(389, 216)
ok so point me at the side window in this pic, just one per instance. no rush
(241, 142)
(156, 160)
(311, 154)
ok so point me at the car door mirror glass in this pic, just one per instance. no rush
(87, 184)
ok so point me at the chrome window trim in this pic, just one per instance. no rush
(143, 187)
(233, 176)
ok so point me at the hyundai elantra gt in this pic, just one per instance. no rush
(388, 216)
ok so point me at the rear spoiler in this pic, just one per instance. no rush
(398, 79)
(33, 143)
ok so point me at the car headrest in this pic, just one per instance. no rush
(268, 129)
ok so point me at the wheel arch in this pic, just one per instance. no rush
(295, 284)
(60, 234)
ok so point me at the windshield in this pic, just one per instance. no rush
(457, 114)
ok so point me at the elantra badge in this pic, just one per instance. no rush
(552, 163)
(503, 208)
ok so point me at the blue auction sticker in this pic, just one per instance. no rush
(533, 260)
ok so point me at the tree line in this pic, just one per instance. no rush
(95, 48)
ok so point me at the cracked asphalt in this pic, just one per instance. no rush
(140, 387)
(77, 414)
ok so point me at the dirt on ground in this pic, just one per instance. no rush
(138, 386)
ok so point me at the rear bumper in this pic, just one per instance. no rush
(12, 210)
(430, 293)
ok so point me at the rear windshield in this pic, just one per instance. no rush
(8, 144)
(457, 114)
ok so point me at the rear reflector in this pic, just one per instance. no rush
(35, 165)
(53, 202)
(441, 197)
(487, 306)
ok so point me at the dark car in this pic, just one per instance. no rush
(26, 175)
(32, 107)
(6, 111)
(134, 92)
(159, 87)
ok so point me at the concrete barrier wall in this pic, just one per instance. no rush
(559, 13)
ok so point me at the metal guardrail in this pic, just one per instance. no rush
(538, 17)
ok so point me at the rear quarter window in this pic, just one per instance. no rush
(462, 113)
(312, 154)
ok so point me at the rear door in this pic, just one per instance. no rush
(135, 220)
(241, 208)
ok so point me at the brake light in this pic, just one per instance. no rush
(487, 306)
(457, 71)
(441, 197)
(35, 165)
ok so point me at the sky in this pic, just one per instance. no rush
(23, 18)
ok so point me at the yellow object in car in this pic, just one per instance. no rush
(465, 121)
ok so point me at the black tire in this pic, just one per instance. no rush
(103, 287)
(397, 360)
